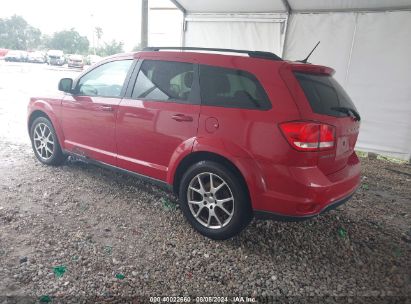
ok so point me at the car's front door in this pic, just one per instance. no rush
(159, 118)
(89, 114)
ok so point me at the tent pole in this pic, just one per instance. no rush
(183, 31)
(183, 28)
(144, 23)
(287, 6)
(289, 12)
(179, 6)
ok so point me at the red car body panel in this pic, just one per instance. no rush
(89, 125)
(144, 136)
(144, 141)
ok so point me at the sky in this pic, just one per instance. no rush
(119, 19)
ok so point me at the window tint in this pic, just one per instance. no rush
(164, 80)
(324, 93)
(231, 88)
(106, 80)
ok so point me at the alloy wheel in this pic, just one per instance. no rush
(210, 200)
(43, 141)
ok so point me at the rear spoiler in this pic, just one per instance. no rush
(312, 69)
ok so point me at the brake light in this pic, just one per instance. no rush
(309, 136)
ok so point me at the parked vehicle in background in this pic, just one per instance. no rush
(93, 59)
(56, 57)
(233, 136)
(75, 61)
(25, 56)
(16, 56)
(36, 57)
(3, 53)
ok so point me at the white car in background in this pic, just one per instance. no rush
(16, 56)
(56, 57)
(36, 57)
(75, 61)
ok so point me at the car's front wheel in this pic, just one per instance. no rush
(45, 143)
(214, 200)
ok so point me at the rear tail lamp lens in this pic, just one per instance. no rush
(309, 136)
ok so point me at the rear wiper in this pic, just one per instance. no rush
(351, 112)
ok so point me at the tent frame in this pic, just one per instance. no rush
(289, 10)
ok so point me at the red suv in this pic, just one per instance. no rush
(232, 135)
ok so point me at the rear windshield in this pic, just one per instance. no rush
(324, 93)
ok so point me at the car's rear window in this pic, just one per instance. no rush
(231, 88)
(324, 94)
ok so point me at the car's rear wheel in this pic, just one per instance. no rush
(214, 200)
(45, 143)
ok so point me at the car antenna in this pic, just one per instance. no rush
(306, 58)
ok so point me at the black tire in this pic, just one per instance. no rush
(57, 157)
(241, 208)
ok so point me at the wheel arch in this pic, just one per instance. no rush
(42, 112)
(198, 156)
(36, 114)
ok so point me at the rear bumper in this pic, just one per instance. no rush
(266, 215)
(75, 65)
(55, 62)
(295, 193)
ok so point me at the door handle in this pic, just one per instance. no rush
(106, 108)
(182, 117)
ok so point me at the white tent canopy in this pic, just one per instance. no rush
(278, 6)
(366, 41)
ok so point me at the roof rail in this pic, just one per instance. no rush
(254, 54)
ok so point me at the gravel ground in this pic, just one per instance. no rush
(118, 236)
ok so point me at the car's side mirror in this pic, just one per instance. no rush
(66, 85)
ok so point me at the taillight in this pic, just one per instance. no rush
(309, 136)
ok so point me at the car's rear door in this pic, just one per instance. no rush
(159, 116)
(89, 114)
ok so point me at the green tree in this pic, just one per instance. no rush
(114, 47)
(69, 41)
(99, 34)
(33, 38)
(17, 34)
(45, 42)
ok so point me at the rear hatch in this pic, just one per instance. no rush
(321, 99)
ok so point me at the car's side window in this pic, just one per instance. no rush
(164, 81)
(106, 80)
(231, 88)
